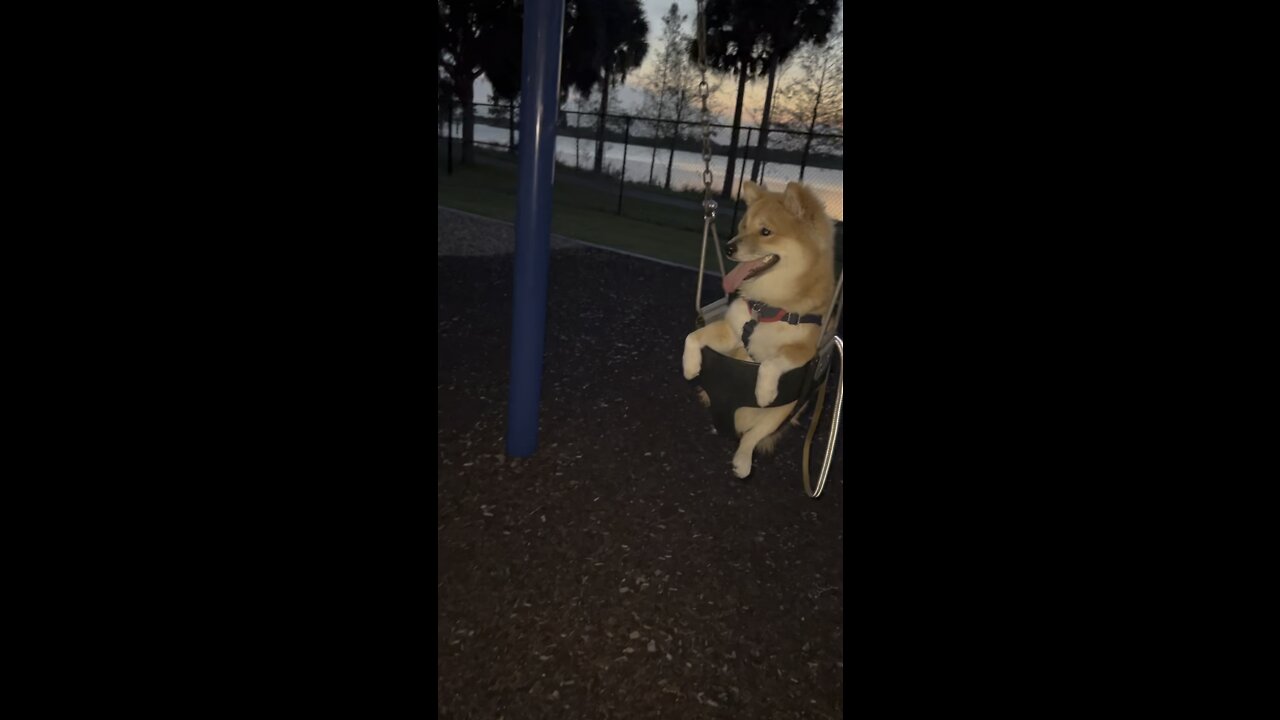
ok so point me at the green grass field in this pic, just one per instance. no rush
(584, 207)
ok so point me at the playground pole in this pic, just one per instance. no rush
(539, 96)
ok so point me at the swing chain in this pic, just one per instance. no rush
(704, 91)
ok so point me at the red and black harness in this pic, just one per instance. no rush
(762, 313)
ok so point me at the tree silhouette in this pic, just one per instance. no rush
(814, 100)
(502, 67)
(671, 89)
(581, 59)
(444, 100)
(477, 38)
(750, 37)
(620, 32)
(733, 47)
(785, 26)
(501, 64)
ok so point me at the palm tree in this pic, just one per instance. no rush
(621, 30)
(580, 64)
(472, 37)
(502, 69)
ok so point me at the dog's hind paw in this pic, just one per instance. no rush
(741, 468)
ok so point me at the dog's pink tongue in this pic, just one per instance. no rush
(738, 274)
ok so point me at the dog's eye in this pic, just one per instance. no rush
(766, 232)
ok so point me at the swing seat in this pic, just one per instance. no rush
(730, 384)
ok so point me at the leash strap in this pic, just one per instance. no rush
(813, 427)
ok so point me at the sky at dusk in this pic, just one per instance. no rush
(628, 97)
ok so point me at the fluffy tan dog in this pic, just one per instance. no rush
(785, 250)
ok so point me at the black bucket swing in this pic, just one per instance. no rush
(729, 382)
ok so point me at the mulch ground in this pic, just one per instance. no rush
(622, 571)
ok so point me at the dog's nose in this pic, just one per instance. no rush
(730, 248)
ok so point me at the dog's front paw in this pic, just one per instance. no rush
(766, 393)
(692, 359)
(767, 384)
(741, 466)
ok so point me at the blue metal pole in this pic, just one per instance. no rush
(539, 100)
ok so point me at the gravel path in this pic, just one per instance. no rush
(463, 234)
(622, 571)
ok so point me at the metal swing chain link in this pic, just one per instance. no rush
(704, 92)
(708, 204)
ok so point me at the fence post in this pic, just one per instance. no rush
(653, 156)
(622, 183)
(511, 128)
(804, 156)
(602, 138)
(450, 140)
(671, 158)
(738, 199)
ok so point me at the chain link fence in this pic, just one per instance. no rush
(662, 158)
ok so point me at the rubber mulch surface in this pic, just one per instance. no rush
(622, 571)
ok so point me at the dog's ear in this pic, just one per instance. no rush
(751, 191)
(801, 201)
